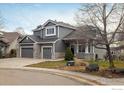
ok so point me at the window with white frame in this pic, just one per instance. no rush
(50, 31)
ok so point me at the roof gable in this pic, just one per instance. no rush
(27, 39)
(50, 24)
(82, 33)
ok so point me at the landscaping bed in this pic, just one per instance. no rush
(49, 64)
(80, 67)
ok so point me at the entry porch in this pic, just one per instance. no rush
(81, 48)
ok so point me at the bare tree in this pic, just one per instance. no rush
(107, 19)
(20, 30)
(1, 21)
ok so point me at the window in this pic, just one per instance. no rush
(81, 48)
(50, 31)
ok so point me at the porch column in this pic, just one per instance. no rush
(53, 53)
(77, 48)
(93, 48)
(86, 48)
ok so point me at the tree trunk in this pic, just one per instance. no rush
(110, 56)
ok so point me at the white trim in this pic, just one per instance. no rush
(25, 47)
(77, 47)
(93, 48)
(25, 43)
(53, 51)
(49, 27)
(28, 37)
(86, 48)
(58, 31)
(22, 39)
(44, 42)
(48, 22)
(46, 47)
(56, 40)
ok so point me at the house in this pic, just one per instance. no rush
(118, 48)
(50, 40)
(8, 41)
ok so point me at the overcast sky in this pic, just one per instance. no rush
(29, 16)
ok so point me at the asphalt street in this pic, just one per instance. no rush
(24, 77)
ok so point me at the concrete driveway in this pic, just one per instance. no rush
(17, 62)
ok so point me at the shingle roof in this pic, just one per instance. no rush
(39, 27)
(82, 32)
(9, 37)
(63, 24)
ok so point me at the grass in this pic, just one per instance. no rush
(105, 64)
(49, 64)
(58, 65)
(79, 68)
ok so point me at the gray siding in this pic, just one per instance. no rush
(49, 37)
(37, 33)
(26, 44)
(63, 31)
(59, 49)
(27, 40)
(37, 51)
(59, 46)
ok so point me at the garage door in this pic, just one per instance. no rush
(47, 53)
(27, 52)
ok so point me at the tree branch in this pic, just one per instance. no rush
(113, 7)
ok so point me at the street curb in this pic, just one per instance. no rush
(71, 76)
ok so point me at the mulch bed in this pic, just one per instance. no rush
(103, 73)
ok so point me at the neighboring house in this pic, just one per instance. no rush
(50, 40)
(118, 49)
(8, 41)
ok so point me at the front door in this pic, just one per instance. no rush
(47, 53)
(72, 49)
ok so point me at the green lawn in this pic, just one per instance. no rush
(49, 64)
(105, 64)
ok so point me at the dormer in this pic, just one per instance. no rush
(53, 29)
(50, 31)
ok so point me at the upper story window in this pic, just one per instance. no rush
(50, 31)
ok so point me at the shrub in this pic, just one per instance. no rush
(12, 53)
(69, 55)
(92, 67)
(121, 57)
